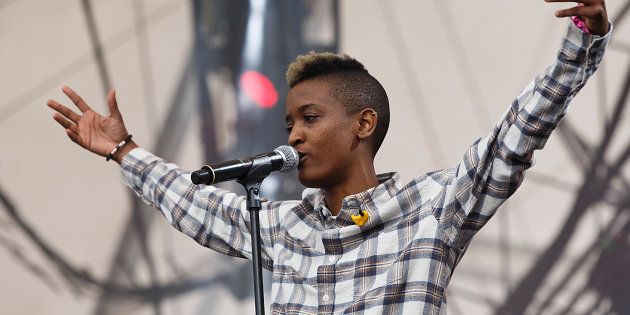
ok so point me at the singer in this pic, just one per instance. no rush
(358, 242)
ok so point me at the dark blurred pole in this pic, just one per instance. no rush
(96, 46)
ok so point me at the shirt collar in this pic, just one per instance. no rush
(340, 234)
(368, 200)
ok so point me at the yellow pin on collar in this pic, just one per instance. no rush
(361, 218)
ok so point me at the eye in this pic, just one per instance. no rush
(288, 129)
(309, 118)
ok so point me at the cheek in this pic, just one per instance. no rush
(331, 141)
(335, 144)
(341, 138)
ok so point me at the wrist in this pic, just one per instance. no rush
(124, 150)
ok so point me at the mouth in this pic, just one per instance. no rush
(302, 158)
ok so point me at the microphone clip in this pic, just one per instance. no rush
(260, 169)
(361, 218)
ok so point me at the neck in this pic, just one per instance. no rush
(361, 180)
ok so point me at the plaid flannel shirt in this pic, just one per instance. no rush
(402, 259)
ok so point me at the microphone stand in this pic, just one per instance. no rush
(260, 169)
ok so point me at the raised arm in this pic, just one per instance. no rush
(493, 167)
(213, 217)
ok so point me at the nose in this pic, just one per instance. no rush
(296, 136)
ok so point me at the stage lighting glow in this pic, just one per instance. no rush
(259, 89)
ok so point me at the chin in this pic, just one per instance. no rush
(309, 180)
(306, 181)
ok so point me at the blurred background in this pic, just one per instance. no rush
(201, 81)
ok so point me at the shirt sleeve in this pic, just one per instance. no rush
(213, 217)
(492, 168)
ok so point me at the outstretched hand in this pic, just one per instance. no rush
(90, 130)
(593, 12)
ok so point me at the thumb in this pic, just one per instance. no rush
(112, 104)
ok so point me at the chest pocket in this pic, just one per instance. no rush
(380, 288)
(383, 263)
(399, 258)
(413, 275)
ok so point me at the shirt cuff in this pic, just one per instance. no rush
(134, 168)
(580, 47)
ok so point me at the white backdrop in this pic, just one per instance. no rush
(450, 67)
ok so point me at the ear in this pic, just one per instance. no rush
(367, 120)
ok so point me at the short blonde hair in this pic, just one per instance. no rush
(316, 64)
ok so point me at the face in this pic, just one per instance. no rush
(322, 132)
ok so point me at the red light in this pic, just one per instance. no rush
(259, 88)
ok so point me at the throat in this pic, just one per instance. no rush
(334, 196)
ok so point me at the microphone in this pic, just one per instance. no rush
(284, 159)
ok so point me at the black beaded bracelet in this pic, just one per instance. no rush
(118, 147)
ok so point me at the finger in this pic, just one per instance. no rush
(577, 11)
(112, 103)
(73, 136)
(65, 123)
(67, 112)
(76, 99)
(565, 1)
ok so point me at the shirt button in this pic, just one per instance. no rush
(325, 297)
(331, 259)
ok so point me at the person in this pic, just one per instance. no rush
(400, 255)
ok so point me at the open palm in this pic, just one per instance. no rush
(90, 130)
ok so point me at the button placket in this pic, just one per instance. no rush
(325, 297)
(326, 284)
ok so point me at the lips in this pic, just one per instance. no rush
(302, 156)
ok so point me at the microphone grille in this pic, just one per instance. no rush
(290, 158)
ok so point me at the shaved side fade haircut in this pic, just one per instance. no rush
(351, 84)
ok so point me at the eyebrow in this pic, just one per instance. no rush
(302, 108)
